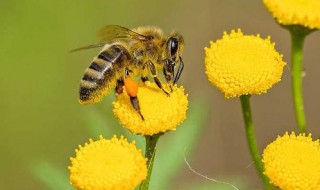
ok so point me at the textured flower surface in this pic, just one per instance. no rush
(161, 112)
(108, 165)
(241, 64)
(295, 12)
(293, 162)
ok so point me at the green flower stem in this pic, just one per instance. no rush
(297, 39)
(298, 34)
(151, 142)
(256, 156)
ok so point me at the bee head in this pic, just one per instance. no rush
(175, 45)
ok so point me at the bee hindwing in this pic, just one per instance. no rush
(100, 77)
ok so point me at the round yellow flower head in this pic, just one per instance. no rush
(241, 64)
(161, 112)
(108, 165)
(295, 12)
(293, 162)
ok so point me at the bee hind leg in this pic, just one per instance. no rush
(132, 91)
(135, 104)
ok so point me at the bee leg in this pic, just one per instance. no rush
(155, 78)
(168, 72)
(144, 73)
(157, 81)
(135, 104)
(132, 91)
(168, 77)
(119, 86)
(144, 79)
(179, 72)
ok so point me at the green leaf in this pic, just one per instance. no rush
(174, 145)
(51, 176)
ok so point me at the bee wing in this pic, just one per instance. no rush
(110, 33)
(89, 47)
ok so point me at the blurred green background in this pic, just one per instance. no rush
(41, 121)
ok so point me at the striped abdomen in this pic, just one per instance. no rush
(100, 77)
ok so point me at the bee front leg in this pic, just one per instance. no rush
(168, 78)
(153, 71)
(168, 72)
(179, 72)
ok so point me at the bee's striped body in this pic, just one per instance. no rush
(101, 74)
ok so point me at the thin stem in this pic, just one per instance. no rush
(297, 40)
(256, 156)
(151, 142)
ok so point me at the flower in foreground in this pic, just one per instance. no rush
(292, 162)
(295, 12)
(107, 165)
(241, 64)
(161, 112)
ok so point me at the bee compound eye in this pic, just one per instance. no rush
(173, 46)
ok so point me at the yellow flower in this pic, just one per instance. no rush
(295, 12)
(161, 112)
(241, 64)
(293, 162)
(108, 165)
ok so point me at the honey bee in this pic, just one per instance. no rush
(126, 53)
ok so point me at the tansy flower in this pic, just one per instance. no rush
(293, 162)
(241, 64)
(295, 12)
(108, 165)
(161, 112)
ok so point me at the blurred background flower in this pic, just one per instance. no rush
(295, 12)
(300, 18)
(292, 162)
(241, 64)
(42, 120)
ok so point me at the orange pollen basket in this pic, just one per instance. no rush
(131, 86)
